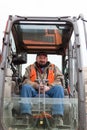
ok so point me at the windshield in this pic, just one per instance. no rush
(42, 117)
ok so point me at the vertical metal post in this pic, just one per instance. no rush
(3, 67)
(80, 81)
(70, 68)
(84, 27)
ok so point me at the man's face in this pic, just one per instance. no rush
(41, 59)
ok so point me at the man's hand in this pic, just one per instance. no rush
(43, 88)
(46, 88)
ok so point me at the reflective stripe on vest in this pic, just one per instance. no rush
(33, 75)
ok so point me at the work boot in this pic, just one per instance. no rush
(26, 119)
(58, 120)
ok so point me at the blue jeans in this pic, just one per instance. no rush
(55, 92)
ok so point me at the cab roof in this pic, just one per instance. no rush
(33, 34)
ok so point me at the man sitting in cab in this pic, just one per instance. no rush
(42, 69)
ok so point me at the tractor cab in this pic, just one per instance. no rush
(24, 37)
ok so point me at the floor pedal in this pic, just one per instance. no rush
(64, 126)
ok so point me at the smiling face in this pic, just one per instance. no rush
(42, 60)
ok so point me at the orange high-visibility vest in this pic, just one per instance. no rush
(33, 75)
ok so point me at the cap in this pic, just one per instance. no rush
(42, 53)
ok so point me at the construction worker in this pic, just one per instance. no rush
(43, 69)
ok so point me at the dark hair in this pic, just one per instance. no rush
(42, 53)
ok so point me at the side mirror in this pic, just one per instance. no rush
(20, 58)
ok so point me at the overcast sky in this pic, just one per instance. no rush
(40, 8)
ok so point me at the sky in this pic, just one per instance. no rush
(40, 8)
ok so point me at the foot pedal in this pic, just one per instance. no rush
(63, 126)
